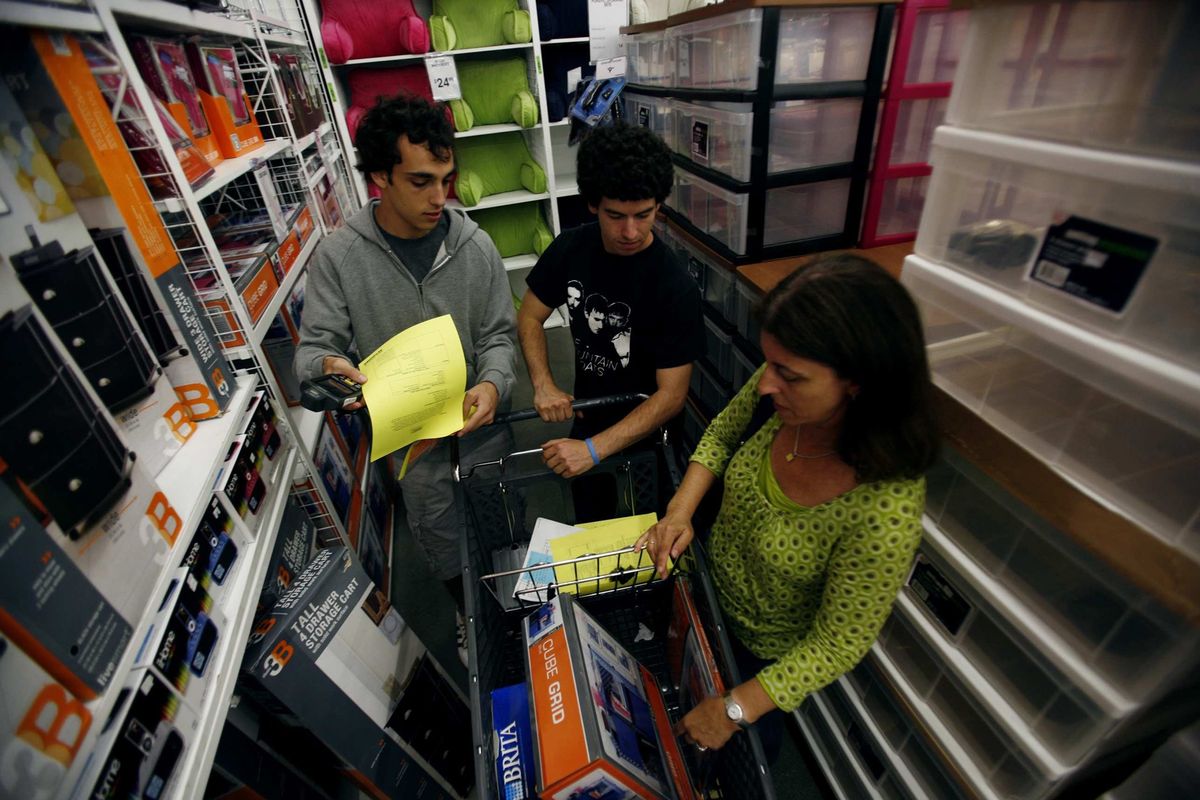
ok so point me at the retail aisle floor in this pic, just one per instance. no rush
(425, 605)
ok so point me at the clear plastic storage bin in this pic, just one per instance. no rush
(719, 290)
(746, 321)
(903, 200)
(743, 368)
(655, 113)
(813, 133)
(826, 748)
(806, 211)
(824, 44)
(992, 199)
(718, 347)
(936, 46)
(650, 58)
(842, 737)
(1114, 74)
(1089, 618)
(709, 389)
(720, 214)
(718, 53)
(693, 429)
(868, 694)
(1132, 446)
(1064, 718)
(916, 120)
(1005, 771)
(716, 138)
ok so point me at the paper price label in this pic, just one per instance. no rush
(610, 68)
(443, 78)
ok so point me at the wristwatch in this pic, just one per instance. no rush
(734, 711)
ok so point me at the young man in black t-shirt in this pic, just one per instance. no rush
(634, 310)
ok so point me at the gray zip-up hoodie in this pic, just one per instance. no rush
(359, 295)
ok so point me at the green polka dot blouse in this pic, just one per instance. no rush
(807, 587)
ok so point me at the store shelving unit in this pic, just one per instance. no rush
(1049, 628)
(189, 480)
(734, 188)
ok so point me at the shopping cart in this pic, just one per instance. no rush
(500, 499)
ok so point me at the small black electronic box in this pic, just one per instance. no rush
(329, 393)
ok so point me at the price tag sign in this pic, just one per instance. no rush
(610, 68)
(443, 78)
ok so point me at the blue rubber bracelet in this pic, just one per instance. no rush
(592, 450)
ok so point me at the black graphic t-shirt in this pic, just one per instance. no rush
(630, 315)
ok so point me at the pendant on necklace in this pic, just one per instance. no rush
(790, 457)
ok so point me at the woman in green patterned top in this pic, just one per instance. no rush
(821, 511)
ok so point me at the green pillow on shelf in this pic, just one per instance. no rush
(517, 230)
(493, 164)
(494, 93)
(463, 24)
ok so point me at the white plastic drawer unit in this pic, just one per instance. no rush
(746, 319)
(715, 137)
(1103, 240)
(655, 113)
(982, 750)
(1006, 669)
(1090, 623)
(719, 213)
(720, 289)
(743, 368)
(1108, 423)
(1110, 74)
(925, 774)
(846, 752)
(718, 53)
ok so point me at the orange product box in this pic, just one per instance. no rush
(223, 98)
(257, 286)
(304, 225)
(599, 731)
(289, 250)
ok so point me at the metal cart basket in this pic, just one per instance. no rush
(500, 500)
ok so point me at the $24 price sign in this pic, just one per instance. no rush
(443, 78)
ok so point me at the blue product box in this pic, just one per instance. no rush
(512, 735)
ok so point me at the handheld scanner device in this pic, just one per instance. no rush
(329, 393)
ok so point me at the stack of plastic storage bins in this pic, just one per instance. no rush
(928, 40)
(772, 110)
(1057, 269)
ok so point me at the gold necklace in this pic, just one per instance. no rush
(792, 456)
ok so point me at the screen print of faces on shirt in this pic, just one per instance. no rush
(602, 331)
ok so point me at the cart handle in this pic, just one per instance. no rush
(576, 405)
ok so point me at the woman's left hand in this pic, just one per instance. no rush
(706, 726)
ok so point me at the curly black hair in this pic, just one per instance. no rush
(624, 162)
(404, 115)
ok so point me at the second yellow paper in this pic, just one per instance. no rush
(415, 386)
(594, 575)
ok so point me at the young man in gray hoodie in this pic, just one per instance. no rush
(404, 259)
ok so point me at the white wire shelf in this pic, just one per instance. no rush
(308, 427)
(231, 169)
(488, 130)
(566, 40)
(40, 16)
(178, 17)
(285, 288)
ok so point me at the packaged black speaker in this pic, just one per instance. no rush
(59, 451)
(131, 281)
(73, 294)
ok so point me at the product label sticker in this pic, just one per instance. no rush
(683, 59)
(944, 602)
(443, 78)
(643, 117)
(611, 68)
(700, 142)
(1096, 263)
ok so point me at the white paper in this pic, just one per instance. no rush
(610, 68)
(573, 78)
(443, 77)
(539, 553)
(605, 18)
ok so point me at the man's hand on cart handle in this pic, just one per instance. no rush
(336, 365)
(479, 406)
(666, 540)
(552, 403)
(568, 457)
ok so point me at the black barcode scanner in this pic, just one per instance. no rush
(329, 393)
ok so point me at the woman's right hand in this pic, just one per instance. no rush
(667, 539)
